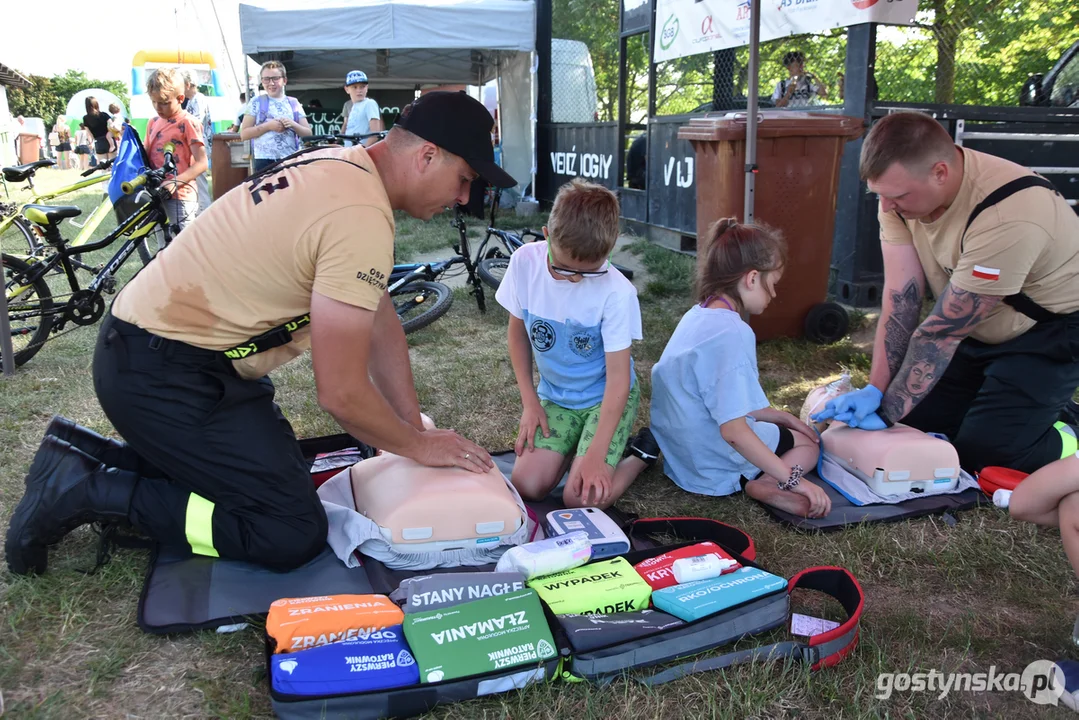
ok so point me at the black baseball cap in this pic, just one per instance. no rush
(460, 124)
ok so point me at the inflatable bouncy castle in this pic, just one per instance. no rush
(222, 108)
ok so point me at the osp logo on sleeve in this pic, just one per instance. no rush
(609, 586)
(480, 636)
(299, 623)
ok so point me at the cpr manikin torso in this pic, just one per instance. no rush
(897, 460)
(434, 508)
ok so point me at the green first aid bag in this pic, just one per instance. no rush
(610, 586)
(480, 636)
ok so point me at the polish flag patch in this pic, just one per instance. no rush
(986, 273)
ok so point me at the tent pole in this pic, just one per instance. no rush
(498, 110)
(751, 109)
(534, 76)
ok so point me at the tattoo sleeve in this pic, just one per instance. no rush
(931, 348)
(901, 324)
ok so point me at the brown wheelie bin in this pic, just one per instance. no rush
(797, 181)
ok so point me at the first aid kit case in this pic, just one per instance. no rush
(462, 638)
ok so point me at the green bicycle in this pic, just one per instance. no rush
(38, 310)
(13, 225)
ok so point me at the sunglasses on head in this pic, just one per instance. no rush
(567, 272)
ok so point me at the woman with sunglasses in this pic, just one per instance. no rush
(577, 316)
(274, 122)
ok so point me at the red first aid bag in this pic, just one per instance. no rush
(659, 571)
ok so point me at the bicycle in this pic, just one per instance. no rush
(492, 268)
(11, 217)
(32, 312)
(415, 286)
(341, 139)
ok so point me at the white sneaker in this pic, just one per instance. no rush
(1002, 497)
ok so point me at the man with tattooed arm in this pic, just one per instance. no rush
(996, 361)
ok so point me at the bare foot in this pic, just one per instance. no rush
(765, 491)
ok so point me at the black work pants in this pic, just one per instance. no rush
(998, 403)
(236, 481)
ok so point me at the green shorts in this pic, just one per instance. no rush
(572, 430)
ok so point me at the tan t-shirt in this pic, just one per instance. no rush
(1028, 242)
(250, 262)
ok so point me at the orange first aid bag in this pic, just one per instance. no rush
(298, 623)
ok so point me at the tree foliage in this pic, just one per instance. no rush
(47, 98)
(973, 52)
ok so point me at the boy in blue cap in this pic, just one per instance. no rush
(360, 114)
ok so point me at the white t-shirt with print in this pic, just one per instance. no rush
(274, 145)
(571, 326)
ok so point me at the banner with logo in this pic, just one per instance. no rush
(691, 27)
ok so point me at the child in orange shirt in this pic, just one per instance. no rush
(173, 124)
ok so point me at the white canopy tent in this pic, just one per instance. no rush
(405, 44)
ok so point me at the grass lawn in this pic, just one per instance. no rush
(987, 592)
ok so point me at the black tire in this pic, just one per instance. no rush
(827, 323)
(152, 244)
(20, 235)
(419, 304)
(30, 313)
(626, 272)
(492, 270)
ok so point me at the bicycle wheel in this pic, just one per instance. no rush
(29, 312)
(492, 270)
(152, 244)
(20, 237)
(419, 304)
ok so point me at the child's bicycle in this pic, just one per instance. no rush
(17, 233)
(492, 264)
(34, 313)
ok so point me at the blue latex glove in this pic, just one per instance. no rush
(853, 407)
(871, 421)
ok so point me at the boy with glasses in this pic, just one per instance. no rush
(274, 122)
(577, 315)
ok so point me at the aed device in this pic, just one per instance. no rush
(607, 538)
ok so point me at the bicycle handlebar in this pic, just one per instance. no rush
(153, 177)
(100, 166)
(338, 137)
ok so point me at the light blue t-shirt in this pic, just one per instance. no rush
(360, 116)
(571, 326)
(707, 376)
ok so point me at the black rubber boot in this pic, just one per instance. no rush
(65, 488)
(111, 453)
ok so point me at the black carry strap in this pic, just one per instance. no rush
(280, 335)
(820, 651)
(1020, 301)
(695, 529)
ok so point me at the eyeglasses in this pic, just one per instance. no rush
(567, 272)
(274, 79)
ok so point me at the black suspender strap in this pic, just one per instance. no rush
(1020, 301)
(1004, 191)
(280, 335)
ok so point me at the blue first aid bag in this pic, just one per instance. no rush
(380, 661)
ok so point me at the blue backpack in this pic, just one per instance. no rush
(131, 161)
(263, 112)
